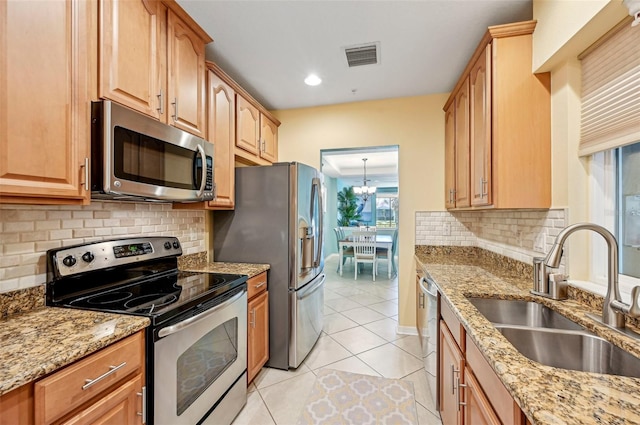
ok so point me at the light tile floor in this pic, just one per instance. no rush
(359, 336)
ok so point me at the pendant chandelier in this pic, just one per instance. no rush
(364, 191)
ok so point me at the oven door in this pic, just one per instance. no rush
(197, 360)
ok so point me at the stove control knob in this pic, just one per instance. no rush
(87, 257)
(167, 245)
(69, 261)
(176, 244)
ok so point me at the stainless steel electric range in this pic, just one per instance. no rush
(197, 343)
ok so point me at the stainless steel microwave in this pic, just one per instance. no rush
(134, 157)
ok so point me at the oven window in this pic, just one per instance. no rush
(148, 160)
(205, 361)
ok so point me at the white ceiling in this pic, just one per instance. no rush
(270, 46)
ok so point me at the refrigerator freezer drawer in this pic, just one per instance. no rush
(307, 319)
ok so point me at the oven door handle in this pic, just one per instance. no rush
(169, 330)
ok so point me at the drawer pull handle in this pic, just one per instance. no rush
(260, 285)
(112, 369)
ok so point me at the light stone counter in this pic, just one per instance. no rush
(547, 395)
(198, 263)
(37, 342)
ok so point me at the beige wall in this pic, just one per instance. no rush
(565, 29)
(415, 124)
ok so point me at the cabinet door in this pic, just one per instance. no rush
(269, 139)
(462, 146)
(480, 124)
(451, 366)
(44, 101)
(248, 126)
(222, 132)
(130, 49)
(122, 406)
(258, 334)
(450, 157)
(186, 81)
(477, 409)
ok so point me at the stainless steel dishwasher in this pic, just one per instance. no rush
(427, 324)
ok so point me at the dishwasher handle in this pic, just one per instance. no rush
(426, 290)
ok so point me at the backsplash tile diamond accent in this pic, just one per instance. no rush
(27, 232)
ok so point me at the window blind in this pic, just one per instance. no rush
(611, 91)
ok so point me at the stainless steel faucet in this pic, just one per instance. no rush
(614, 309)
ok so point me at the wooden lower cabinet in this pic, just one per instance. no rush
(451, 367)
(477, 409)
(119, 407)
(103, 388)
(258, 325)
(16, 406)
(463, 375)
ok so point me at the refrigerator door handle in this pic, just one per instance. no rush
(316, 193)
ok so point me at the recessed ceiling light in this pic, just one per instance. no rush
(312, 80)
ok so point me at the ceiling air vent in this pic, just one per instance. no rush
(364, 54)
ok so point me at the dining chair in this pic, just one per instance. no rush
(364, 250)
(347, 251)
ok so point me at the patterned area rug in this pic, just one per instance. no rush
(340, 398)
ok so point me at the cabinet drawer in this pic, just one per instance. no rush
(256, 285)
(505, 407)
(60, 393)
(454, 325)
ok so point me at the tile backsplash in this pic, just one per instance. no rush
(516, 234)
(27, 232)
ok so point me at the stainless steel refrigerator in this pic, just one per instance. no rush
(278, 220)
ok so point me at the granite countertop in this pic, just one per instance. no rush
(37, 342)
(547, 395)
(199, 263)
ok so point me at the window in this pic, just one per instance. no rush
(387, 210)
(616, 205)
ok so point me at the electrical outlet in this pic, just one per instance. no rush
(446, 229)
(538, 244)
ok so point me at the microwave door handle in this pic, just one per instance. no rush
(203, 174)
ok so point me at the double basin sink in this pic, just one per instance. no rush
(547, 337)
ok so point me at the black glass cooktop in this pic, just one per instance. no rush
(159, 296)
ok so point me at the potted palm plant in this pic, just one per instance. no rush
(347, 207)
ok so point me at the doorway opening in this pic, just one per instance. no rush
(350, 175)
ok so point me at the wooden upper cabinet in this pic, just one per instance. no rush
(151, 59)
(132, 50)
(509, 122)
(248, 126)
(462, 193)
(186, 81)
(450, 157)
(269, 139)
(222, 132)
(256, 132)
(44, 96)
(480, 128)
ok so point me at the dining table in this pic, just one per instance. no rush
(382, 241)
